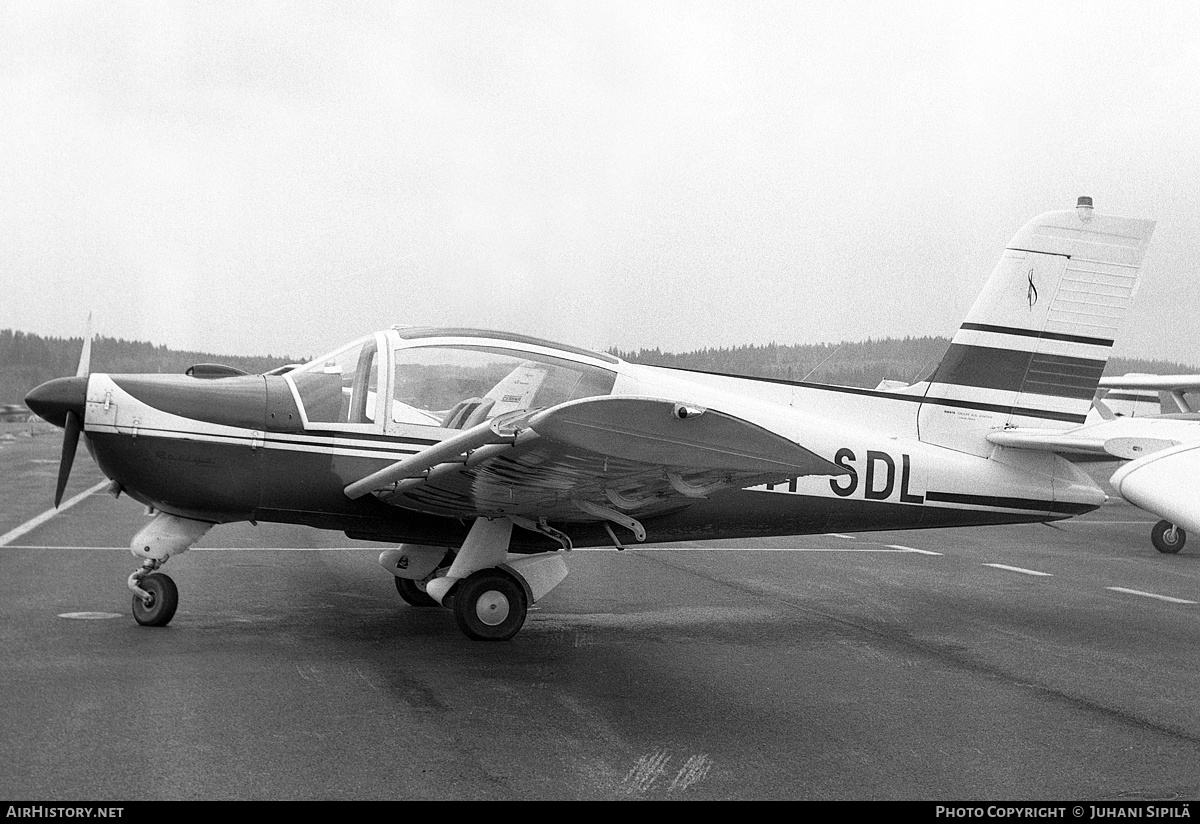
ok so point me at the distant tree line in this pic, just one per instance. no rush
(862, 364)
(27, 360)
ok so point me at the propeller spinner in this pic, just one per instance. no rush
(62, 402)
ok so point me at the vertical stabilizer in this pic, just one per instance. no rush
(1033, 347)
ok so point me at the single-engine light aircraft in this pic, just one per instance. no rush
(487, 456)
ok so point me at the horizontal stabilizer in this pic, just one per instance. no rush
(1076, 443)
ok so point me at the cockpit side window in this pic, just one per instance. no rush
(456, 387)
(341, 387)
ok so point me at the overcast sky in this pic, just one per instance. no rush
(278, 177)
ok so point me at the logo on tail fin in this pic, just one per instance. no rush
(1031, 294)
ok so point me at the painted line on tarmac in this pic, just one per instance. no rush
(1098, 522)
(893, 550)
(910, 549)
(1019, 569)
(1166, 598)
(218, 548)
(8, 537)
(890, 548)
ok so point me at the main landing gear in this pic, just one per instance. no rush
(414, 593)
(488, 590)
(1167, 537)
(490, 606)
(155, 596)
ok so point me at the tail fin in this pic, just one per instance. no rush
(1033, 347)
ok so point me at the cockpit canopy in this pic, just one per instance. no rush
(448, 379)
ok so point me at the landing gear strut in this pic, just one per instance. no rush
(155, 596)
(1167, 537)
(488, 590)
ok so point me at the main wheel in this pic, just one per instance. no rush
(1167, 537)
(489, 606)
(413, 594)
(164, 598)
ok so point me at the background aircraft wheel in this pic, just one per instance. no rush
(1166, 540)
(164, 598)
(413, 594)
(489, 606)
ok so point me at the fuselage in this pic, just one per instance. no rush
(255, 448)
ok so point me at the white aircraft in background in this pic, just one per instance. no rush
(1161, 444)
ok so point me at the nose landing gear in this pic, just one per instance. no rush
(155, 596)
(157, 608)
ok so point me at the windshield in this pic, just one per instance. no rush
(342, 386)
(456, 387)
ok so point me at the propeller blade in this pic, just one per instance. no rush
(71, 430)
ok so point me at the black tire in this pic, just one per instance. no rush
(489, 606)
(164, 598)
(1163, 539)
(413, 594)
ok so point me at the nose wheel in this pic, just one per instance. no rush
(159, 608)
(489, 606)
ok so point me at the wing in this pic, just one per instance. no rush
(590, 460)
(1172, 392)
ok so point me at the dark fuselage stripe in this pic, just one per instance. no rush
(274, 440)
(1006, 409)
(1033, 333)
(1008, 503)
(366, 437)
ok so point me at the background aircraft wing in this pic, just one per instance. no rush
(1165, 383)
(591, 460)
(1116, 394)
